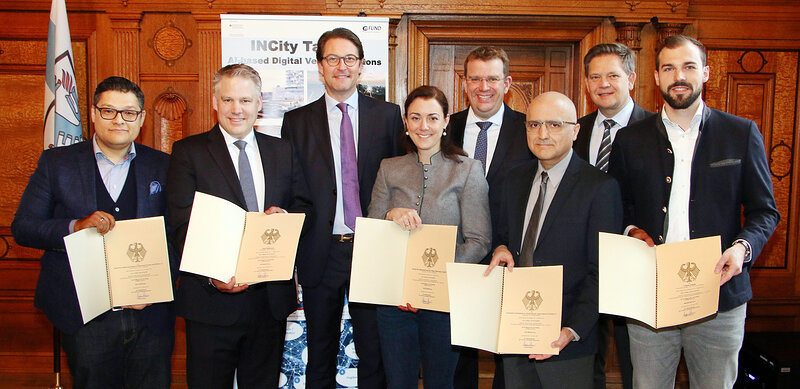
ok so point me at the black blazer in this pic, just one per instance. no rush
(729, 174)
(581, 145)
(202, 163)
(380, 126)
(586, 202)
(62, 189)
(511, 150)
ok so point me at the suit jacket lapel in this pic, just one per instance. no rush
(519, 202)
(566, 186)
(86, 169)
(321, 132)
(219, 153)
(142, 172)
(365, 122)
(503, 142)
(270, 170)
(457, 127)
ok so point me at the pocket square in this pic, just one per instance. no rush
(155, 187)
(726, 162)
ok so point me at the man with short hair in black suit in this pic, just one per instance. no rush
(493, 133)
(233, 328)
(341, 139)
(553, 210)
(610, 76)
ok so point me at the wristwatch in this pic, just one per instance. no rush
(748, 252)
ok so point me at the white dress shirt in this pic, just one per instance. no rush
(471, 131)
(254, 157)
(621, 119)
(334, 126)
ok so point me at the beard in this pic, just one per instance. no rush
(680, 102)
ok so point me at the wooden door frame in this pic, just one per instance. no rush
(423, 30)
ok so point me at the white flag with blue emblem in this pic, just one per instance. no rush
(62, 117)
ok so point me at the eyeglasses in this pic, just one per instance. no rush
(553, 126)
(349, 60)
(489, 80)
(128, 115)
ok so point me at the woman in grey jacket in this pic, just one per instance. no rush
(435, 183)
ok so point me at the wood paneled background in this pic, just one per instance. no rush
(172, 50)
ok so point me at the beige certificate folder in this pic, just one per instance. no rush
(394, 267)
(506, 312)
(224, 240)
(661, 286)
(129, 265)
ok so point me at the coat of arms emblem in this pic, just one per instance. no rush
(270, 236)
(430, 257)
(136, 252)
(688, 272)
(532, 300)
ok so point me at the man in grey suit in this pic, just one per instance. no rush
(493, 133)
(610, 76)
(553, 210)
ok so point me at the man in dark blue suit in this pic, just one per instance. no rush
(610, 70)
(232, 328)
(692, 172)
(92, 185)
(553, 210)
(493, 133)
(341, 139)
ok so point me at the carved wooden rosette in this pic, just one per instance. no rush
(169, 43)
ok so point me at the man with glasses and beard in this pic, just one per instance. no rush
(690, 172)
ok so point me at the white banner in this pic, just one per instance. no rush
(62, 116)
(283, 51)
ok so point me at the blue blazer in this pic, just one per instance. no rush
(62, 189)
(730, 178)
(380, 126)
(586, 202)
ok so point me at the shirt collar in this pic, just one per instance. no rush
(98, 154)
(331, 103)
(556, 173)
(497, 118)
(250, 138)
(696, 118)
(621, 118)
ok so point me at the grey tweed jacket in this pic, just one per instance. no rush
(445, 192)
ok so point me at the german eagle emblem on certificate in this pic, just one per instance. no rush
(688, 272)
(429, 257)
(532, 300)
(270, 236)
(136, 252)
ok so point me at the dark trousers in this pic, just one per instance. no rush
(251, 348)
(117, 350)
(524, 373)
(323, 306)
(467, 370)
(606, 324)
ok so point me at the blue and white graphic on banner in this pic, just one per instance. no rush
(62, 116)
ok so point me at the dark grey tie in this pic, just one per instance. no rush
(605, 146)
(246, 178)
(532, 232)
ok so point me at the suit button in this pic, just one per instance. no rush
(417, 204)
(664, 209)
(426, 170)
(426, 177)
(419, 197)
(661, 239)
(669, 150)
(668, 179)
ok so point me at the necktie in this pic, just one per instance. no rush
(246, 178)
(605, 146)
(532, 232)
(352, 204)
(481, 145)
